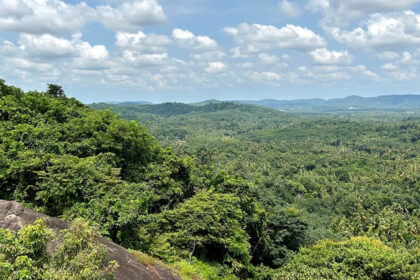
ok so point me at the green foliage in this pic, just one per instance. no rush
(242, 190)
(67, 160)
(55, 90)
(79, 256)
(207, 225)
(198, 270)
(357, 258)
(317, 176)
(394, 225)
(286, 229)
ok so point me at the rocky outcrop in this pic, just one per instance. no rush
(13, 216)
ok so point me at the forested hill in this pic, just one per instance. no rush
(320, 177)
(169, 109)
(235, 192)
(355, 103)
(350, 103)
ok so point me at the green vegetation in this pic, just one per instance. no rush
(356, 258)
(80, 254)
(318, 177)
(233, 192)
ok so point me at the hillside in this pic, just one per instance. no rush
(14, 217)
(221, 191)
(328, 170)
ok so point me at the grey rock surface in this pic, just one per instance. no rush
(14, 216)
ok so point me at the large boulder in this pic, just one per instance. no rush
(14, 216)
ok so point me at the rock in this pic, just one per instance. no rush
(14, 216)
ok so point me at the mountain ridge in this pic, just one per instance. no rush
(352, 102)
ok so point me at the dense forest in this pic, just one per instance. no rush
(219, 191)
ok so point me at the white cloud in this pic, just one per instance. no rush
(208, 55)
(215, 67)
(131, 15)
(404, 75)
(339, 12)
(382, 32)
(268, 58)
(289, 9)
(47, 49)
(56, 16)
(186, 39)
(25, 64)
(257, 37)
(389, 67)
(139, 59)
(142, 42)
(324, 73)
(406, 57)
(285, 56)
(388, 55)
(324, 56)
(7, 48)
(330, 74)
(362, 70)
(46, 46)
(97, 52)
(46, 16)
(265, 76)
(245, 65)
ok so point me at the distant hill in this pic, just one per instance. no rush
(169, 109)
(350, 103)
(128, 102)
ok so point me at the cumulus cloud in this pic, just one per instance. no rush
(406, 57)
(48, 16)
(289, 9)
(382, 32)
(186, 39)
(324, 73)
(388, 55)
(268, 58)
(257, 38)
(140, 59)
(46, 45)
(362, 70)
(7, 48)
(333, 73)
(52, 53)
(215, 67)
(25, 64)
(131, 15)
(208, 55)
(142, 42)
(338, 12)
(402, 75)
(389, 67)
(91, 57)
(56, 16)
(324, 56)
(264, 76)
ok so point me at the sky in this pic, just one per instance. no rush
(193, 50)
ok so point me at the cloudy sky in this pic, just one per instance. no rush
(191, 50)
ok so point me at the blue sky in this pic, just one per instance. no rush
(191, 50)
